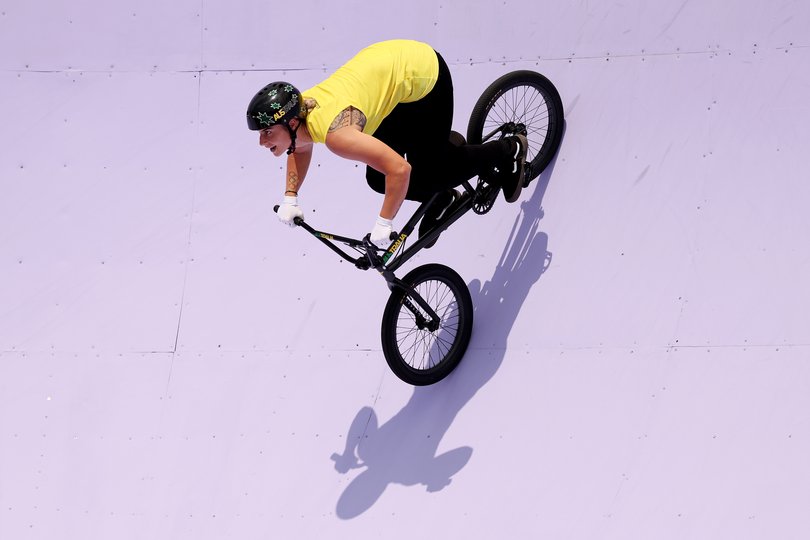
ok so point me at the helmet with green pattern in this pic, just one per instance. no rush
(277, 103)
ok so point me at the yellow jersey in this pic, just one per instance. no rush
(375, 81)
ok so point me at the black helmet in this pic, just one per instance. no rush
(276, 103)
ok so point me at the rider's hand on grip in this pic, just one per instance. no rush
(381, 233)
(289, 211)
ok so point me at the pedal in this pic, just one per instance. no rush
(484, 197)
(527, 175)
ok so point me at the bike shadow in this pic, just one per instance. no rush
(404, 450)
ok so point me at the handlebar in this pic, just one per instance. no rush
(371, 257)
(386, 260)
(300, 222)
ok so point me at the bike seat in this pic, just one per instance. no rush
(457, 139)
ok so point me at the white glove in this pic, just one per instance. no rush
(381, 233)
(289, 210)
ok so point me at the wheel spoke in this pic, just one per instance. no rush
(420, 348)
(526, 105)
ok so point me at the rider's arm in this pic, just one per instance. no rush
(351, 143)
(297, 166)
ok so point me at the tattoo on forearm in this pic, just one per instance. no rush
(292, 182)
(349, 117)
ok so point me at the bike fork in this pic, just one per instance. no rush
(431, 322)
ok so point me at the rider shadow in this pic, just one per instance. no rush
(403, 450)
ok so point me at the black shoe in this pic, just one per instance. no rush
(512, 180)
(436, 211)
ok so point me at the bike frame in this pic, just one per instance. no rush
(390, 260)
(387, 263)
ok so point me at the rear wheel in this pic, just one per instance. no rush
(520, 102)
(419, 350)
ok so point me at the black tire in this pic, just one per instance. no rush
(417, 355)
(517, 102)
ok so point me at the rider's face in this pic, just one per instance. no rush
(275, 138)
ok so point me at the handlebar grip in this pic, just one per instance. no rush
(297, 221)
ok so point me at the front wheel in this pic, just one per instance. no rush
(421, 351)
(520, 102)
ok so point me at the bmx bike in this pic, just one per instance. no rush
(427, 321)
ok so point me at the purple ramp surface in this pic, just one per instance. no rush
(175, 364)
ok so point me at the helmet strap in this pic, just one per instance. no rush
(292, 131)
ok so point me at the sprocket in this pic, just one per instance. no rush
(484, 197)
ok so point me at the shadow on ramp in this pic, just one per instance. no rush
(403, 450)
